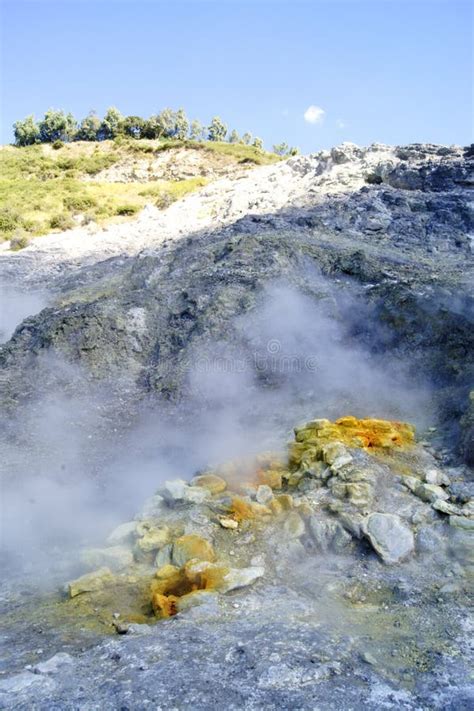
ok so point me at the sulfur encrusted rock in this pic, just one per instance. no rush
(152, 537)
(90, 582)
(191, 547)
(213, 483)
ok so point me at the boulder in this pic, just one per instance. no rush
(153, 538)
(178, 491)
(264, 494)
(272, 478)
(360, 493)
(197, 598)
(462, 522)
(435, 476)
(389, 536)
(294, 525)
(53, 665)
(329, 535)
(213, 483)
(241, 577)
(431, 493)
(163, 557)
(90, 582)
(446, 507)
(191, 547)
(352, 523)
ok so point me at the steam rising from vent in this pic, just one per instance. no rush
(78, 464)
(15, 306)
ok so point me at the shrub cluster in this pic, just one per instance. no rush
(58, 127)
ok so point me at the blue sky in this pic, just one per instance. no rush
(380, 70)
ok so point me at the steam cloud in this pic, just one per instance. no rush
(73, 468)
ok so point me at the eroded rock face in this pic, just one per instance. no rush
(391, 225)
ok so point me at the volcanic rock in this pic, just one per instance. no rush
(389, 536)
(90, 582)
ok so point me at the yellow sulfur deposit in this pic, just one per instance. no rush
(192, 569)
(369, 434)
(172, 584)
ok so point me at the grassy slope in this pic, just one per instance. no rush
(42, 189)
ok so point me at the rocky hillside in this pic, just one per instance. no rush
(174, 354)
(48, 187)
(389, 228)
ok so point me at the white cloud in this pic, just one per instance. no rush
(314, 114)
(340, 123)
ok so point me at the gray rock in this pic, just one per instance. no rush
(163, 557)
(294, 526)
(462, 492)
(90, 582)
(462, 522)
(178, 491)
(429, 540)
(435, 476)
(431, 493)
(55, 664)
(199, 597)
(264, 494)
(411, 482)
(389, 536)
(446, 507)
(25, 681)
(352, 523)
(241, 577)
(328, 535)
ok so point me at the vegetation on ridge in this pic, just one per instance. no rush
(58, 126)
(47, 187)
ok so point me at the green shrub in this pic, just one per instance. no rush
(140, 148)
(19, 240)
(66, 163)
(61, 221)
(58, 144)
(79, 203)
(9, 220)
(164, 200)
(125, 210)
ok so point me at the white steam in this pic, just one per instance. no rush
(74, 466)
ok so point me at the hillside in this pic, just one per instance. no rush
(43, 189)
(238, 430)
